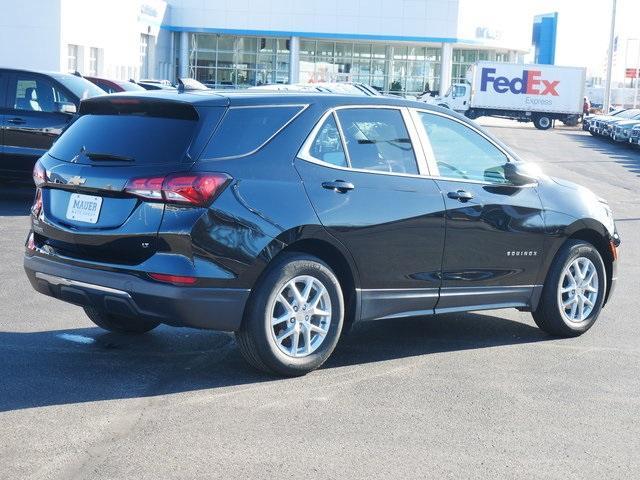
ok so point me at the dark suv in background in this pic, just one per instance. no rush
(34, 109)
(288, 217)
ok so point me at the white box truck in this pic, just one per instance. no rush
(527, 93)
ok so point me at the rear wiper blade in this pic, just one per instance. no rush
(107, 157)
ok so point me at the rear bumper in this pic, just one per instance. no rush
(132, 296)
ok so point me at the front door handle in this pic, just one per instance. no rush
(338, 186)
(461, 195)
(17, 121)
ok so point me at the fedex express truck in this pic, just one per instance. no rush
(527, 93)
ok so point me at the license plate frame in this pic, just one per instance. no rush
(84, 208)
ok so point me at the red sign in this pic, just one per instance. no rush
(631, 73)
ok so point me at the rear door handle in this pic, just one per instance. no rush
(461, 195)
(338, 186)
(17, 121)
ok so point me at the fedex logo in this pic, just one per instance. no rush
(530, 83)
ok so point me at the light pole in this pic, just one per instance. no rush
(607, 84)
(637, 69)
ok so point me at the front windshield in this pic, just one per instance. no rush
(79, 86)
(631, 113)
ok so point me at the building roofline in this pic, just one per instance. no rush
(333, 35)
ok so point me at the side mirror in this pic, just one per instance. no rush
(521, 173)
(67, 107)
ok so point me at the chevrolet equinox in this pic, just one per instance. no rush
(288, 217)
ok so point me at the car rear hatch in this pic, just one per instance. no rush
(96, 199)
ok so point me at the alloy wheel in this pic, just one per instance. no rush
(300, 316)
(578, 290)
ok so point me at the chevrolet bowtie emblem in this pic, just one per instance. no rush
(76, 180)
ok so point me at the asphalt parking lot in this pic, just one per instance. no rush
(479, 395)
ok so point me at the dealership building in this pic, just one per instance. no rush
(401, 45)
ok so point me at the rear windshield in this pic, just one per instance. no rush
(245, 129)
(80, 87)
(130, 87)
(99, 139)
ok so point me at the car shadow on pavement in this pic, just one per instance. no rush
(15, 200)
(622, 153)
(83, 365)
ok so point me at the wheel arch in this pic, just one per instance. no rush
(601, 243)
(341, 265)
(596, 234)
(318, 243)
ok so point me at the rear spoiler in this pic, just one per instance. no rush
(132, 105)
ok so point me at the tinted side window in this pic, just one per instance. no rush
(106, 87)
(245, 129)
(377, 139)
(462, 153)
(37, 94)
(327, 146)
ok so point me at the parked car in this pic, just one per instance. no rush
(587, 122)
(286, 218)
(621, 131)
(345, 88)
(634, 135)
(156, 84)
(609, 125)
(115, 86)
(34, 109)
(602, 126)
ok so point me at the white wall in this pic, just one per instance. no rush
(494, 23)
(114, 27)
(28, 40)
(497, 23)
(417, 18)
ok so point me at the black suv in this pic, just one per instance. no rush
(34, 109)
(285, 218)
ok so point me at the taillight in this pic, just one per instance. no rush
(186, 188)
(36, 208)
(31, 242)
(39, 174)
(146, 187)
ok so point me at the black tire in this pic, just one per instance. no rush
(548, 315)
(542, 122)
(117, 323)
(255, 339)
(471, 114)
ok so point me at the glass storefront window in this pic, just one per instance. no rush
(344, 50)
(325, 49)
(238, 61)
(363, 51)
(400, 53)
(266, 45)
(307, 47)
(225, 43)
(283, 45)
(397, 67)
(247, 44)
(464, 58)
(379, 51)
